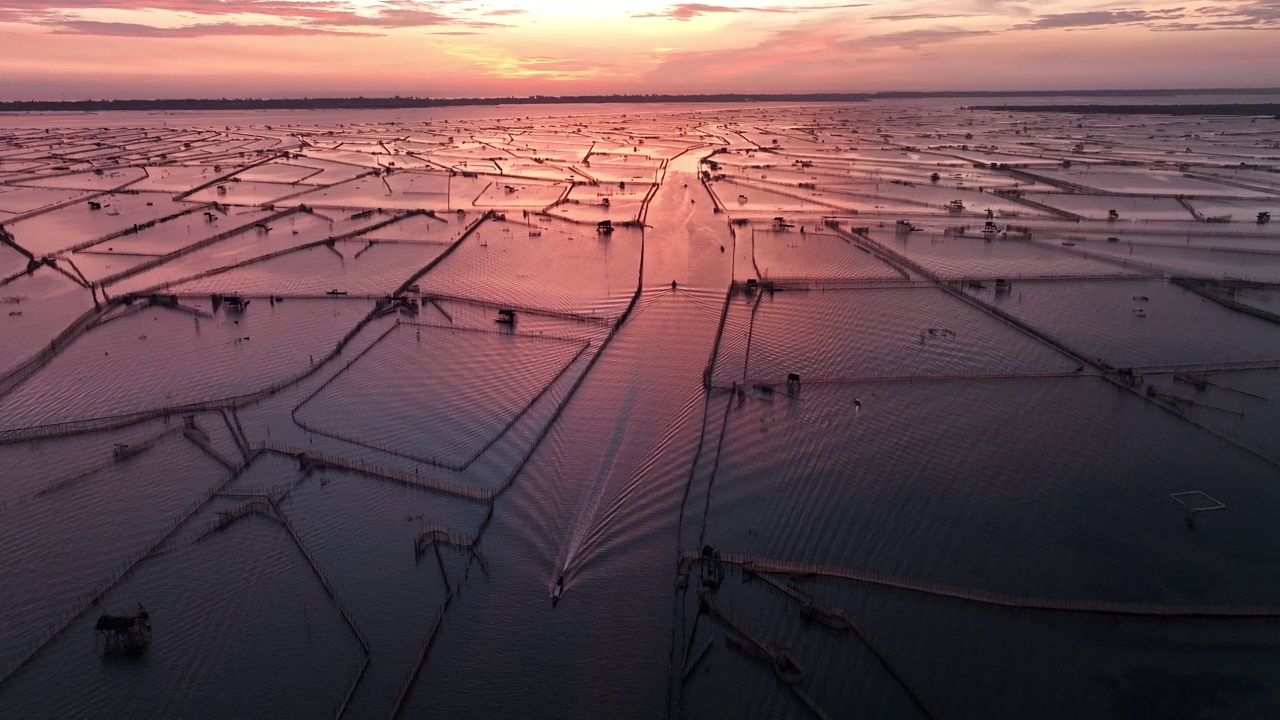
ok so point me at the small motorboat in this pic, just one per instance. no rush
(557, 591)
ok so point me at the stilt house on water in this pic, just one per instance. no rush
(124, 634)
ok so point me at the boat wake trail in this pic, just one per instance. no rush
(588, 508)
(598, 520)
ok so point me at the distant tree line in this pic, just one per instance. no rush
(1262, 109)
(384, 103)
(397, 102)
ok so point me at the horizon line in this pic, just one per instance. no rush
(386, 102)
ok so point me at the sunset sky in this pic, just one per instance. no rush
(77, 49)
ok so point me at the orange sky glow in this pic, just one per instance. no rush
(90, 49)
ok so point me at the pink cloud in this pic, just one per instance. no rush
(116, 29)
(306, 17)
(688, 11)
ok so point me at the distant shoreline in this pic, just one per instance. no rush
(397, 103)
(1235, 109)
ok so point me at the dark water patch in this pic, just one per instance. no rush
(34, 309)
(1244, 405)
(88, 179)
(973, 257)
(404, 191)
(176, 233)
(354, 267)
(814, 254)
(438, 395)
(158, 358)
(35, 464)
(839, 672)
(965, 658)
(56, 230)
(1261, 266)
(363, 533)
(249, 239)
(17, 200)
(919, 483)
(422, 228)
(565, 268)
(60, 545)
(1140, 323)
(876, 333)
(241, 610)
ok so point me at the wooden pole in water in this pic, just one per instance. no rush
(440, 561)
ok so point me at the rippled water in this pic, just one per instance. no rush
(355, 494)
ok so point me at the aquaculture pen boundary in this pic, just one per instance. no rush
(60, 342)
(681, 574)
(404, 287)
(505, 331)
(89, 195)
(92, 596)
(1152, 270)
(897, 259)
(113, 422)
(213, 272)
(134, 229)
(1105, 607)
(1229, 183)
(886, 379)
(200, 439)
(1018, 197)
(1210, 291)
(193, 247)
(227, 176)
(545, 312)
(794, 280)
(317, 188)
(715, 347)
(776, 656)
(519, 468)
(267, 506)
(1085, 190)
(430, 460)
(132, 450)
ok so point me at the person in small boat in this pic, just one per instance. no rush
(857, 404)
